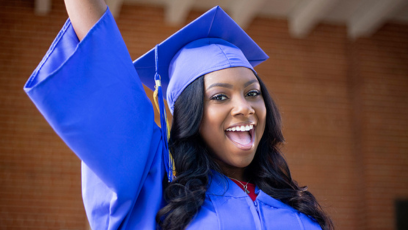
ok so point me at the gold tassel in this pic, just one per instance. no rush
(156, 103)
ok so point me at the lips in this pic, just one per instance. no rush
(242, 139)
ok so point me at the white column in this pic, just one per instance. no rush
(177, 11)
(371, 15)
(307, 14)
(244, 11)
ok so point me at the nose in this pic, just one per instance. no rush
(242, 107)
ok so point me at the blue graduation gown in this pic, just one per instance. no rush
(91, 95)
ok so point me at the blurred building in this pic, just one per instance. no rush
(338, 71)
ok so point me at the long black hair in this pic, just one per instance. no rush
(268, 170)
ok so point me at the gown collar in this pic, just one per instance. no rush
(221, 185)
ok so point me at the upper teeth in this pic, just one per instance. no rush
(241, 128)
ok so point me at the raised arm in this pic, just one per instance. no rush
(84, 14)
(90, 93)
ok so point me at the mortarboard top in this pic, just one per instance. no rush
(211, 42)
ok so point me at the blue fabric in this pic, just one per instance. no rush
(200, 57)
(91, 95)
(234, 47)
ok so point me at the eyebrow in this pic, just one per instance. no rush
(225, 85)
(229, 86)
(250, 82)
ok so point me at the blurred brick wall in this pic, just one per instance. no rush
(380, 96)
(344, 105)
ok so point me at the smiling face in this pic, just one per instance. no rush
(234, 118)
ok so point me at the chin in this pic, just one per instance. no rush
(243, 161)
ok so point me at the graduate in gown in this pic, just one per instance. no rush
(224, 170)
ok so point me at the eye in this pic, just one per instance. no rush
(219, 97)
(253, 93)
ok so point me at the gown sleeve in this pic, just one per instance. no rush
(91, 95)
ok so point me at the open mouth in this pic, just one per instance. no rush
(242, 136)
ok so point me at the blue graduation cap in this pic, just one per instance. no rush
(211, 42)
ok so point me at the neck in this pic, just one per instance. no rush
(233, 172)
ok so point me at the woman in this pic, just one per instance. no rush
(224, 139)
